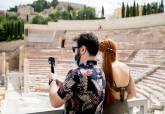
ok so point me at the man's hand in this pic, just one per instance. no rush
(52, 76)
(55, 100)
(58, 82)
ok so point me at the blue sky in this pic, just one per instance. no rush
(109, 5)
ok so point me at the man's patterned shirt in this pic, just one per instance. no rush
(84, 94)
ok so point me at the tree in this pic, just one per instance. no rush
(15, 30)
(74, 15)
(55, 16)
(14, 18)
(131, 11)
(21, 28)
(9, 28)
(148, 9)
(90, 13)
(161, 7)
(13, 9)
(40, 5)
(162, 1)
(127, 11)
(65, 15)
(144, 12)
(2, 33)
(2, 19)
(12, 28)
(156, 9)
(86, 13)
(102, 11)
(134, 9)
(70, 9)
(39, 20)
(123, 10)
(54, 3)
(137, 10)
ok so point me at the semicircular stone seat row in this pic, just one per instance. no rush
(153, 86)
(149, 56)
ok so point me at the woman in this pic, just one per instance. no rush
(119, 84)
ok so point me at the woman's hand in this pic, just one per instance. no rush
(87, 72)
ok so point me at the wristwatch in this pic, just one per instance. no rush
(50, 81)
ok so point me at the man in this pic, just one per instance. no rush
(83, 90)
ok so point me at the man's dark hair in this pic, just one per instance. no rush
(90, 41)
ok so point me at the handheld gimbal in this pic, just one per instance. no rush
(51, 61)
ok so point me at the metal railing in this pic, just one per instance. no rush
(138, 106)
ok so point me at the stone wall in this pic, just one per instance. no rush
(13, 62)
(130, 33)
(10, 45)
(111, 24)
(12, 53)
(139, 38)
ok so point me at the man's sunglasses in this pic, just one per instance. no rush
(74, 48)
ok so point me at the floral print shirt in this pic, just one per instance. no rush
(84, 94)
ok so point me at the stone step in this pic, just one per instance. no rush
(154, 83)
(154, 87)
(162, 77)
(153, 94)
(154, 100)
(154, 79)
(158, 92)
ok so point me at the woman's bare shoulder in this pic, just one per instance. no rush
(118, 63)
(121, 65)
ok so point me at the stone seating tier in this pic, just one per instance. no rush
(146, 56)
(152, 86)
(153, 92)
(67, 54)
(138, 71)
(146, 94)
(123, 55)
(59, 54)
(38, 70)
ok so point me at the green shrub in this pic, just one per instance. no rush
(11, 28)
